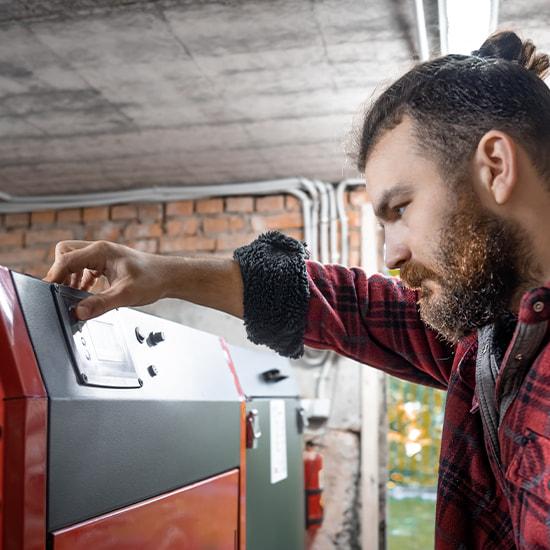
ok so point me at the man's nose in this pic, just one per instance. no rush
(396, 253)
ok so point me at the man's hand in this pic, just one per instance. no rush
(132, 278)
(136, 278)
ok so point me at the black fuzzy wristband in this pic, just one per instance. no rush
(276, 292)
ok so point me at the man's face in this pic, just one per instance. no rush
(467, 263)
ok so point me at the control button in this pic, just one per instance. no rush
(273, 375)
(538, 306)
(155, 338)
(83, 340)
(87, 354)
(140, 338)
(153, 371)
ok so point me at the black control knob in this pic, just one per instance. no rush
(140, 338)
(273, 375)
(155, 338)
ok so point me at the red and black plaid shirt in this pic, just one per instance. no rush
(485, 500)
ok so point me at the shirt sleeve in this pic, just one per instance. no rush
(374, 320)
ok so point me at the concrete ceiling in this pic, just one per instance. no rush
(105, 95)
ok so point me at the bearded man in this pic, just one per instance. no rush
(456, 156)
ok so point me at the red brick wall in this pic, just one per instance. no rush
(203, 226)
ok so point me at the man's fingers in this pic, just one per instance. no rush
(98, 304)
(74, 279)
(75, 260)
(63, 247)
(89, 278)
(90, 266)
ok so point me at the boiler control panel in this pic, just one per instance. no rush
(99, 352)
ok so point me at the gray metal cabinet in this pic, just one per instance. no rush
(275, 503)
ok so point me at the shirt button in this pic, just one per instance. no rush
(538, 306)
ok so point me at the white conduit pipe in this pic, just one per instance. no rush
(424, 49)
(340, 190)
(328, 362)
(13, 204)
(314, 244)
(33, 203)
(327, 226)
(306, 203)
(494, 16)
(343, 221)
(323, 222)
(317, 191)
(337, 204)
(334, 253)
(443, 27)
(293, 186)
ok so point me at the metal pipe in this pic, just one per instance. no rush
(422, 31)
(10, 203)
(306, 212)
(312, 189)
(493, 21)
(329, 361)
(343, 221)
(323, 222)
(344, 228)
(443, 27)
(334, 253)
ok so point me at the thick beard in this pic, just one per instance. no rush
(483, 263)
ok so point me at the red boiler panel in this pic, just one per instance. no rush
(23, 431)
(202, 516)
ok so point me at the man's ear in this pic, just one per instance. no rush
(496, 162)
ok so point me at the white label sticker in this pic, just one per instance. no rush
(277, 420)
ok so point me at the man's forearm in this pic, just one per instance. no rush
(211, 282)
(265, 283)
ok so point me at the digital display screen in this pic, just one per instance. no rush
(103, 338)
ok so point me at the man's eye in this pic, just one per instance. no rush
(400, 210)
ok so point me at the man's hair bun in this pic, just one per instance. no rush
(508, 45)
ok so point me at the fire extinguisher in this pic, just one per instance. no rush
(313, 481)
